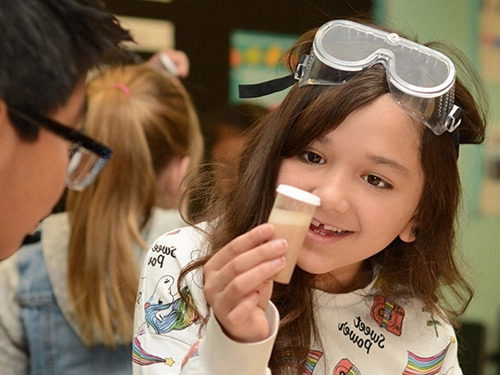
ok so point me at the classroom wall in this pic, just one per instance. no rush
(457, 21)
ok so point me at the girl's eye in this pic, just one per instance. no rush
(312, 157)
(377, 182)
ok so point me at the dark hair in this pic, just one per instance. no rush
(47, 45)
(417, 269)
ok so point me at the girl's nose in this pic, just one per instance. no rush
(334, 195)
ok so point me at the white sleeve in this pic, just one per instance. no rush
(221, 355)
(13, 356)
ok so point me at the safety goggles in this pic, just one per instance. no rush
(420, 79)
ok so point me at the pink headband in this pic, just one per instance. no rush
(122, 87)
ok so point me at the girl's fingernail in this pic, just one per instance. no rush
(266, 229)
(279, 244)
(255, 295)
(278, 262)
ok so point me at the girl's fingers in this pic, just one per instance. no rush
(237, 281)
(247, 270)
(236, 291)
(241, 244)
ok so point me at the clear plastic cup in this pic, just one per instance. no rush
(291, 216)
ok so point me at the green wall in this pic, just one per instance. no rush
(457, 22)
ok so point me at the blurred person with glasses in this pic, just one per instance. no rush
(47, 48)
(80, 295)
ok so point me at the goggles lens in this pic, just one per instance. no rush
(349, 46)
(420, 79)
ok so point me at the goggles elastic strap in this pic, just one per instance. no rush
(247, 91)
(256, 90)
(455, 136)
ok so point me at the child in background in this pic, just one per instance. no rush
(74, 313)
(373, 128)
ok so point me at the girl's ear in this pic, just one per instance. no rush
(409, 232)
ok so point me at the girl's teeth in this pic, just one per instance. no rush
(333, 229)
(320, 232)
(323, 229)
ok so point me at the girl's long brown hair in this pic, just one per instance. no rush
(419, 269)
(148, 119)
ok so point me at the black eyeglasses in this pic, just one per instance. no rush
(87, 156)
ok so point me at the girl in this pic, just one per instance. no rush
(372, 127)
(71, 296)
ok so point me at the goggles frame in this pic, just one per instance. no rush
(342, 49)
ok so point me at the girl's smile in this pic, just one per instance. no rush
(367, 173)
(325, 234)
(326, 230)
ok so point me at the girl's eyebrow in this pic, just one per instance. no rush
(390, 163)
(323, 140)
(378, 159)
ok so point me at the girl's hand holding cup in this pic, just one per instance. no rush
(238, 282)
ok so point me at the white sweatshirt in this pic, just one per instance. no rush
(361, 332)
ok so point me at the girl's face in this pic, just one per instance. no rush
(368, 175)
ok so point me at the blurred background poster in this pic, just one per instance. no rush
(255, 57)
(490, 40)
